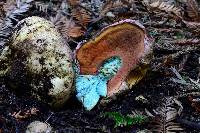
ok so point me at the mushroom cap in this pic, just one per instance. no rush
(41, 62)
(38, 127)
(125, 39)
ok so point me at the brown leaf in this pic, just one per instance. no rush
(73, 2)
(81, 15)
(193, 10)
(67, 27)
(164, 6)
(111, 4)
(9, 5)
(72, 30)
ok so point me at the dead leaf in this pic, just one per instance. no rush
(164, 6)
(81, 15)
(9, 5)
(193, 10)
(67, 27)
(73, 2)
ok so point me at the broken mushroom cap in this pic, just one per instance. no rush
(125, 39)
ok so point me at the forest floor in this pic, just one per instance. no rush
(168, 95)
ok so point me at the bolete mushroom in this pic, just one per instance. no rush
(39, 60)
(125, 39)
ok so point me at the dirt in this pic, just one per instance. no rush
(74, 118)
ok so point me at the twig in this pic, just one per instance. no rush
(189, 94)
(49, 117)
(187, 41)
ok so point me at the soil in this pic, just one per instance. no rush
(74, 118)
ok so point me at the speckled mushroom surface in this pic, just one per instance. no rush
(39, 127)
(41, 61)
(124, 39)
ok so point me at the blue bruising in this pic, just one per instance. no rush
(89, 88)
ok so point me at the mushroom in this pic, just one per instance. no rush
(39, 61)
(39, 127)
(125, 39)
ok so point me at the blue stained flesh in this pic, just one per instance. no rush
(89, 88)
